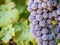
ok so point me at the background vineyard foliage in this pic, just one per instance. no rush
(18, 28)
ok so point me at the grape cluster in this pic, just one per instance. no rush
(44, 17)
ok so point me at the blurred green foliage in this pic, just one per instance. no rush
(14, 22)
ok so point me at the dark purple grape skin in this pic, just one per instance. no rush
(45, 37)
(45, 42)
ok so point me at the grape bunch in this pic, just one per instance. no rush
(44, 18)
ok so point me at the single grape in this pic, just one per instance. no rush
(59, 18)
(35, 1)
(52, 42)
(54, 13)
(29, 9)
(45, 42)
(50, 37)
(39, 39)
(45, 15)
(38, 33)
(35, 22)
(42, 23)
(56, 30)
(45, 37)
(39, 17)
(39, 6)
(37, 27)
(34, 6)
(44, 5)
(45, 10)
(40, 43)
(58, 11)
(49, 21)
(31, 18)
(39, 11)
(44, 30)
(33, 13)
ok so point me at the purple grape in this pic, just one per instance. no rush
(54, 13)
(45, 15)
(58, 11)
(39, 6)
(38, 33)
(49, 3)
(49, 21)
(56, 30)
(39, 39)
(39, 11)
(29, 9)
(45, 37)
(33, 32)
(58, 6)
(37, 27)
(40, 43)
(32, 25)
(34, 6)
(39, 17)
(52, 42)
(59, 24)
(45, 42)
(35, 22)
(44, 5)
(44, 30)
(56, 19)
(42, 23)
(33, 13)
(45, 10)
(59, 18)
(31, 18)
(55, 2)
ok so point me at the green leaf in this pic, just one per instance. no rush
(6, 38)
